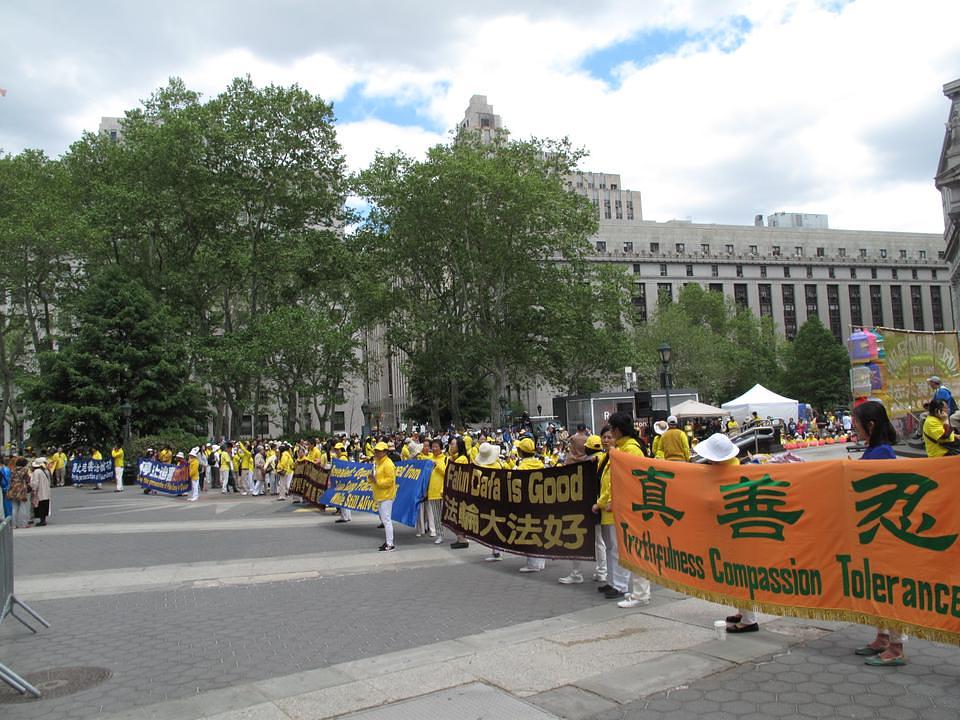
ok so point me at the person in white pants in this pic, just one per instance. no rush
(118, 466)
(384, 490)
(194, 462)
(594, 449)
(529, 461)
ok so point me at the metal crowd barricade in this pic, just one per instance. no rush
(10, 602)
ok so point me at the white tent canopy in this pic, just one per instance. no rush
(765, 403)
(692, 408)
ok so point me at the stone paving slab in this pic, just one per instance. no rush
(470, 702)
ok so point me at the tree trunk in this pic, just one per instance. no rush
(455, 417)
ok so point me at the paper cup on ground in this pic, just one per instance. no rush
(720, 627)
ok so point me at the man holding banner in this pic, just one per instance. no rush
(384, 491)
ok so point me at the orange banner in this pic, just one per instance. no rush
(869, 541)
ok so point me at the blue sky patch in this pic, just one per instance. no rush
(355, 106)
(644, 48)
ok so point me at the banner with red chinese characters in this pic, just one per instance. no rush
(540, 513)
(868, 541)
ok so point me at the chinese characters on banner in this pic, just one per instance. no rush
(309, 481)
(541, 513)
(163, 477)
(869, 541)
(86, 470)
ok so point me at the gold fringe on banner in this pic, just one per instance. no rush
(770, 608)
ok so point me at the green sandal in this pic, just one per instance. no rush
(878, 661)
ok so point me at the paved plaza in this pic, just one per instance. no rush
(238, 607)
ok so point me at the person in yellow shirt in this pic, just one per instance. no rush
(625, 439)
(96, 455)
(165, 455)
(435, 490)
(674, 442)
(384, 491)
(527, 452)
(659, 428)
(284, 471)
(117, 454)
(594, 449)
(59, 467)
(243, 461)
(457, 453)
(270, 470)
(938, 435)
(194, 462)
(227, 479)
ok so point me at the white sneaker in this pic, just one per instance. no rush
(433, 534)
(493, 557)
(438, 541)
(599, 577)
(573, 578)
(418, 535)
(629, 601)
(243, 493)
(528, 569)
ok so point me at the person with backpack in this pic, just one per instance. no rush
(942, 392)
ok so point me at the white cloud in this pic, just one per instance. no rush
(361, 140)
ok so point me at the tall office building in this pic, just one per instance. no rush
(948, 183)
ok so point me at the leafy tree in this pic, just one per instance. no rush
(717, 348)
(480, 245)
(121, 348)
(817, 367)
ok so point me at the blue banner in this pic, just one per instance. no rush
(163, 477)
(84, 470)
(350, 488)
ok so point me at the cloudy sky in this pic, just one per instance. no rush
(714, 109)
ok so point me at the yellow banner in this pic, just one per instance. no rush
(868, 541)
(910, 358)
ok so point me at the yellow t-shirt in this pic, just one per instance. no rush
(675, 445)
(933, 434)
(384, 479)
(117, 457)
(95, 455)
(435, 488)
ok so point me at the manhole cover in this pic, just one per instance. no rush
(56, 682)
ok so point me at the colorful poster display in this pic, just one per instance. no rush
(868, 541)
(163, 477)
(540, 513)
(86, 470)
(350, 488)
(910, 358)
(309, 481)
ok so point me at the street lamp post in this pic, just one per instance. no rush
(365, 409)
(126, 411)
(665, 378)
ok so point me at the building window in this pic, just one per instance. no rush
(618, 209)
(856, 311)
(663, 269)
(916, 302)
(766, 300)
(628, 247)
(873, 273)
(705, 248)
(936, 306)
(798, 251)
(613, 186)
(601, 246)
(833, 311)
(809, 271)
(763, 271)
(841, 252)
(863, 252)
(903, 254)
(786, 271)
(714, 271)
(853, 273)
(810, 295)
(636, 268)
(894, 273)
(831, 273)
(606, 209)
(654, 248)
(716, 287)
(896, 303)
(664, 293)
(680, 248)
(689, 270)
(933, 274)
(913, 273)
(775, 250)
(596, 204)
(789, 312)
(629, 209)
(339, 421)
(883, 252)
(740, 295)
(729, 249)
(941, 254)
(753, 249)
(739, 270)
(876, 305)
(640, 301)
(820, 252)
